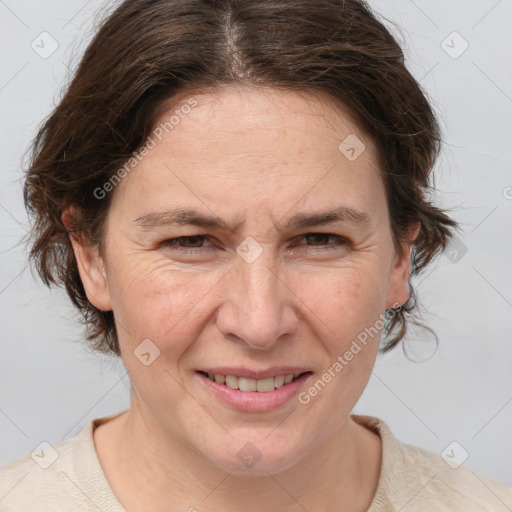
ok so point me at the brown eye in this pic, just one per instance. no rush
(318, 238)
(186, 243)
(321, 241)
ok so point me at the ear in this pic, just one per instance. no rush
(398, 293)
(90, 264)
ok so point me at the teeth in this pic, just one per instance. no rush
(264, 385)
(245, 384)
(279, 381)
(231, 382)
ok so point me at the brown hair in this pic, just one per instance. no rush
(147, 51)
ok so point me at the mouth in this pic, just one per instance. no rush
(243, 393)
(248, 385)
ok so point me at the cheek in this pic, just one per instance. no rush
(348, 308)
(153, 299)
(156, 300)
(345, 301)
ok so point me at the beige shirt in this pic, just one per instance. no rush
(68, 477)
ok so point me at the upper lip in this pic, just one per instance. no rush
(255, 374)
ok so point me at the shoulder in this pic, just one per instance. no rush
(39, 479)
(64, 476)
(415, 479)
(454, 486)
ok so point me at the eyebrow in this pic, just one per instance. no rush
(190, 217)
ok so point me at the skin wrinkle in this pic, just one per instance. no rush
(290, 306)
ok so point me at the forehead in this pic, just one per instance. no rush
(257, 148)
(260, 115)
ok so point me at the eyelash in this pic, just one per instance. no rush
(171, 243)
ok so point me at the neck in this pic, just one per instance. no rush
(147, 469)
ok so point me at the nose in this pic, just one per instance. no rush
(258, 306)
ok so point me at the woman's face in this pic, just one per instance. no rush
(258, 287)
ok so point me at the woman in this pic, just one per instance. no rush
(233, 194)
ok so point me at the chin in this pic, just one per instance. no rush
(255, 458)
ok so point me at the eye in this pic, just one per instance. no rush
(194, 243)
(321, 239)
(180, 243)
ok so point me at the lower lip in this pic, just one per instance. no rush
(255, 401)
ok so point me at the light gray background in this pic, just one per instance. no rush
(51, 385)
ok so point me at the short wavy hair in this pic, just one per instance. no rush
(147, 51)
